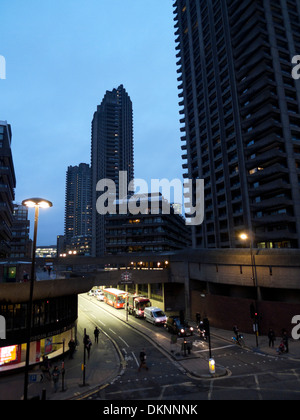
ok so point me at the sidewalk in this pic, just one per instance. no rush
(263, 344)
(103, 366)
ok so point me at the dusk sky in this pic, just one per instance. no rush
(61, 57)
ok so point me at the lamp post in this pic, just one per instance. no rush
(244, 237)
(35, 203)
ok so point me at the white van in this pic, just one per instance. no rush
(155, 315)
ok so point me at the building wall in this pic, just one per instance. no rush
(78, 202)
(7, 186)
(241, 116)
(111, 152)
(225, 312)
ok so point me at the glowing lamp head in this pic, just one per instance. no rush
(37, 202)
(243, 236)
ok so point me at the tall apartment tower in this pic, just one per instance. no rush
(21, 244)
(241, 116)
(7, 189)
(111, 152)
(78, 217)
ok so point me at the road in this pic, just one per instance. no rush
(252, 376)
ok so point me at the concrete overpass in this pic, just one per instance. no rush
(216, 282)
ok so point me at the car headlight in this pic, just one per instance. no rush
(191, 328)
(182, 330)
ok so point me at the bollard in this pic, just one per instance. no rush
(212, 366)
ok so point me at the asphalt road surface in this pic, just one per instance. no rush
(252, 376)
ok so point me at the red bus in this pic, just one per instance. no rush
(115, 297)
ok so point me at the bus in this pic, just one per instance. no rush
(115, 297)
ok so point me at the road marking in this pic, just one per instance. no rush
(112, 331)
(124, 341)
(210, 391)
(135, 359)
(99, 320)
(215, 348)
(258, 387)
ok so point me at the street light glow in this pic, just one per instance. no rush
(244, 236)
(39, 202)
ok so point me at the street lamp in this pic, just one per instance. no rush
(36, 203)
(244, 237)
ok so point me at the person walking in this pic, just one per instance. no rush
(45, 368)
(272, 337)
(236, 332)
(55, 377)
(72, 347)
(96, 334)
(88, 347)
(143, 357)
(285, 340)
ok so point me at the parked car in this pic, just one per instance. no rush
(155, 315)
(100, 296)
(175, 326)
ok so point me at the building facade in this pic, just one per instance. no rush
(146, 232)
(241, 117)
(55, 312)
(7, 186)
(111, 153)
(21, 244)
(78, 213)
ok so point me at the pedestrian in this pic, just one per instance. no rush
(285, 340)
(271, 336)
(88, 346)
(45, 368)
(96, 334)
(281, 348)
(143, 358)
(55, 377)
(85, 339)
(236, 332)
(72, 347)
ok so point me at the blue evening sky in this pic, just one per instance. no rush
(61, 57)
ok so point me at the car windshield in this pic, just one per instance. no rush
(158, 314)
(142, 305)
(180, 324)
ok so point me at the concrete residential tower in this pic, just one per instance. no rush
(78, 215)
(241, 117)
(111, 152)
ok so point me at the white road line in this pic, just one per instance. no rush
(210, 392)
(112, 331)
(99, 320)
(135, 358)
(123, 341)
(215, 348)
(258, 387)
